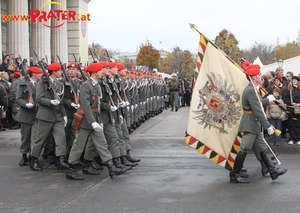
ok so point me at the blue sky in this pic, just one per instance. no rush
(124, 24)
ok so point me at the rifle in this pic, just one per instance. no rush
(109, 60)
(46, 59)
(80, 70)
(96, 55)
(92, 55)
(47, 79)
(118, 80)
(111, 102)
(68, 83)
(26, 83)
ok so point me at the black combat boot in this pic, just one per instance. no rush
(24, 160)
(172, 109)
(80, 164)
(99, 161)
(112, 170)
(117, 163)
(61, 164)
(264, 169)
(88, 169)
(176, 109)
(125, 162)
(96, 166)
(131, 159)
(274, 172)
(35, 165)
(72, 174)
(47, 153)
(238, 163)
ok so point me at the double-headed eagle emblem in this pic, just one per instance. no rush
(217, 104)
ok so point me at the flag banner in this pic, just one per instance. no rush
(216, 107)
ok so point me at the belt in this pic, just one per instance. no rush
(94, 110)
(248, 112)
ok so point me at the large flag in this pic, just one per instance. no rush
(216, 108)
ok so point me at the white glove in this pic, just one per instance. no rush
(270, 130)
(121, 119)
(135, 106)
(97, 127)
(122, 104)
(132, 108)
(157, 97)
(166, 96)
(29, 105)
(65, 120)
(54, 102)
(147, 100)
(144, 103)
(127, 103)
(113, 108)
(76, 106)
(271, 98)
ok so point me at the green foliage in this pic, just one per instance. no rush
(227, 42)
(148, 56)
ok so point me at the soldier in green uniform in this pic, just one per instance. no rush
(174, 89)
(51, 118)
(71, 102)
(251, 125)
(25, 98)
(91, 124)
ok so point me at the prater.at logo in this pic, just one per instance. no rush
(61, 15)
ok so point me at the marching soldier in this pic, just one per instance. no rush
(51, 118)
(71, 102)
(25, 98)
(90, 124)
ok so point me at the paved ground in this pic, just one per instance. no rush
(171, 178)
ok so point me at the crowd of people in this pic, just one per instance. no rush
(285, 87)
(80, 116)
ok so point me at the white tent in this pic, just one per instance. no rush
(258, 61)
(291, 64)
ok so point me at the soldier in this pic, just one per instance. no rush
(51, 118)
(252, 121)
(12, 99)
(25, 98)
(124, 133)
(91, 125)
(71, 102)
(174, 88)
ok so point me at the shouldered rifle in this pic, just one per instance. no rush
(92, 55)
(80, 69)
(47, 79)
(68, 83)
(96, 56)
(26, 83)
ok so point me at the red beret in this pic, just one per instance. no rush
(245, 64)
(252, 69)
(36, 70)
(72, 64)
(94, 67)
(278, 78)
(112, 64)
(120, 66)
(54, 67)
(104, 64)
(17, 74)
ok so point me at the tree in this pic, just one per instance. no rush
(287, 51)
(148, 56)
(264, 51)
(165, 64)
(227, 42)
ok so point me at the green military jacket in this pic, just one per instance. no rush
(24, 114)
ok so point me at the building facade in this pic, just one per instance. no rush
(51, 28)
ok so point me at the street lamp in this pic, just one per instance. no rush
(280, 63)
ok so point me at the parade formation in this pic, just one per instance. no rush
(81, 117)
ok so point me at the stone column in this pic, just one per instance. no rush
(78, 31)
(40, 34)
(59, 41)
(18, 34)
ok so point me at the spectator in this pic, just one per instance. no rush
(292, 99)
(275, 115)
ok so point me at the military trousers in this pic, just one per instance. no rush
(122, 143)
(42, 131)
(70, 132)
(126, 135)
(253, 142)
(174, 99)
(97, 142)
(25, 146)
(112, 139)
